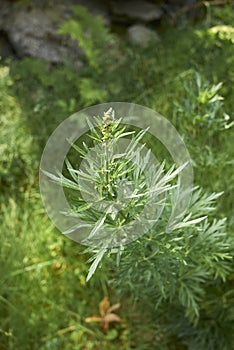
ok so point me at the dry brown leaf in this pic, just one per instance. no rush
(94, 319)
(104, 306)
(114, 307)
(112, 318)
(106, 313)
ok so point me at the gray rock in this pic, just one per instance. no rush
(140, 35)
(33, 30)
(32, 27)
(135, 10)
(33, 33)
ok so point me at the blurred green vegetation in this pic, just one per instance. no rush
(44, 297)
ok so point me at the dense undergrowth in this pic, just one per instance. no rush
(44, 294)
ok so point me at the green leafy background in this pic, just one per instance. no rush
(44, 294)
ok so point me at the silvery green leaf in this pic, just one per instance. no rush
(189, 223)
(97, 227)
(75, 227)
(123, 134)
(71, 170)
(97, 258)
(51, 176)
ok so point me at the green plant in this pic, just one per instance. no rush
(117, 184)
(181, 269)
(200, 116)
(44, 297)
(202, 105)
